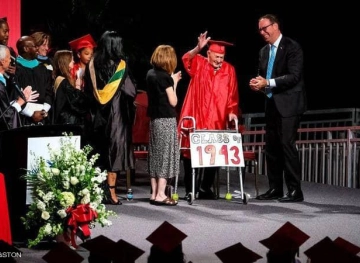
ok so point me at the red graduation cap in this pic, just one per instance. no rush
(327, 251)
(239, 252)
(218, 46)
(126, 252)
(102, 249)
(287, 238)
(62, 253)
(166, 237)
(82, 42)
(350, 247)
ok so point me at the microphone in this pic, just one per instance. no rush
(16, 86)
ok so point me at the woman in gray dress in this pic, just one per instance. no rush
(164, 154)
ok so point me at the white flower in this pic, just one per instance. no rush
(74, 180)
(62, 213)
(45, 215)
(85, 199)
(85, 191)
(67, 200)
(68, 179)
(40, 205)
(47, 229)
(55, 171)
(66, 184)
(105, 222)
(40, 176)
(49, 196)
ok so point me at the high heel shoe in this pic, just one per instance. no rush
(107, 196)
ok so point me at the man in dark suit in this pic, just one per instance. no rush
(284, 91)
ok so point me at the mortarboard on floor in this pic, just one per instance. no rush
(288, 238)
(126, 252)
(350, 247)
(237, 253)
(327, 251)
(166, 237)
(102, 249)
(61, 253)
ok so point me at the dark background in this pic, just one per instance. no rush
(318, 29)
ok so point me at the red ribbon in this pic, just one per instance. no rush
(79, 218)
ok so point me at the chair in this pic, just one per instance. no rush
(140, 134)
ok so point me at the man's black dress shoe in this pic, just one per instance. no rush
(271, 194)
(209, 195)
(293, 196)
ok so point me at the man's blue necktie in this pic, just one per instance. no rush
(269, 69)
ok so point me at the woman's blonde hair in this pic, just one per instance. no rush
(164, 57)
(61, 61)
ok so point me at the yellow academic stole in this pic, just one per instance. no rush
(105, 95)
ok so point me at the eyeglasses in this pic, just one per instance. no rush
(265, 27)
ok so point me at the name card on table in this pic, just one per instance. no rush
(212, 149)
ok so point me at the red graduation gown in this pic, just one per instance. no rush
(210, 98)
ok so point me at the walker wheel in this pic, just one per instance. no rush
(190, 198)
(245, 199)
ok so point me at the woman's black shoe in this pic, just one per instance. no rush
(107, 196)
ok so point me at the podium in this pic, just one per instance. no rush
(13, 162)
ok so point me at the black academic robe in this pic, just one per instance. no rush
(40, 80)
(71, 105)
(9, 117)
(111, 126)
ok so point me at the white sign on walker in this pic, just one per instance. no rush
(38, 146)
(211, 149)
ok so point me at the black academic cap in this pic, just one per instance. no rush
(126, 252)
(327, 251)
(287, 238)
(347, 245)
(62, 252)
(166, 237)
(102, 249)
(243, 254)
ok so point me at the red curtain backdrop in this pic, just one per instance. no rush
(12, 10)
(5, 230)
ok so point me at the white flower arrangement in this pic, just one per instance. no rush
(67, 193)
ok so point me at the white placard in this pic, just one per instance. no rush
(211, 149)
(38, 146)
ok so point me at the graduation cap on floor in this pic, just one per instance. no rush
(82, 42)
(166, 237)
(327, 251)
(126, 252)
(350, 247)
(102, 249)
(239, 252)
(287, 238)
(218, 46)
(62, 253)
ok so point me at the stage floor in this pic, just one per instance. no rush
(212, 225)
